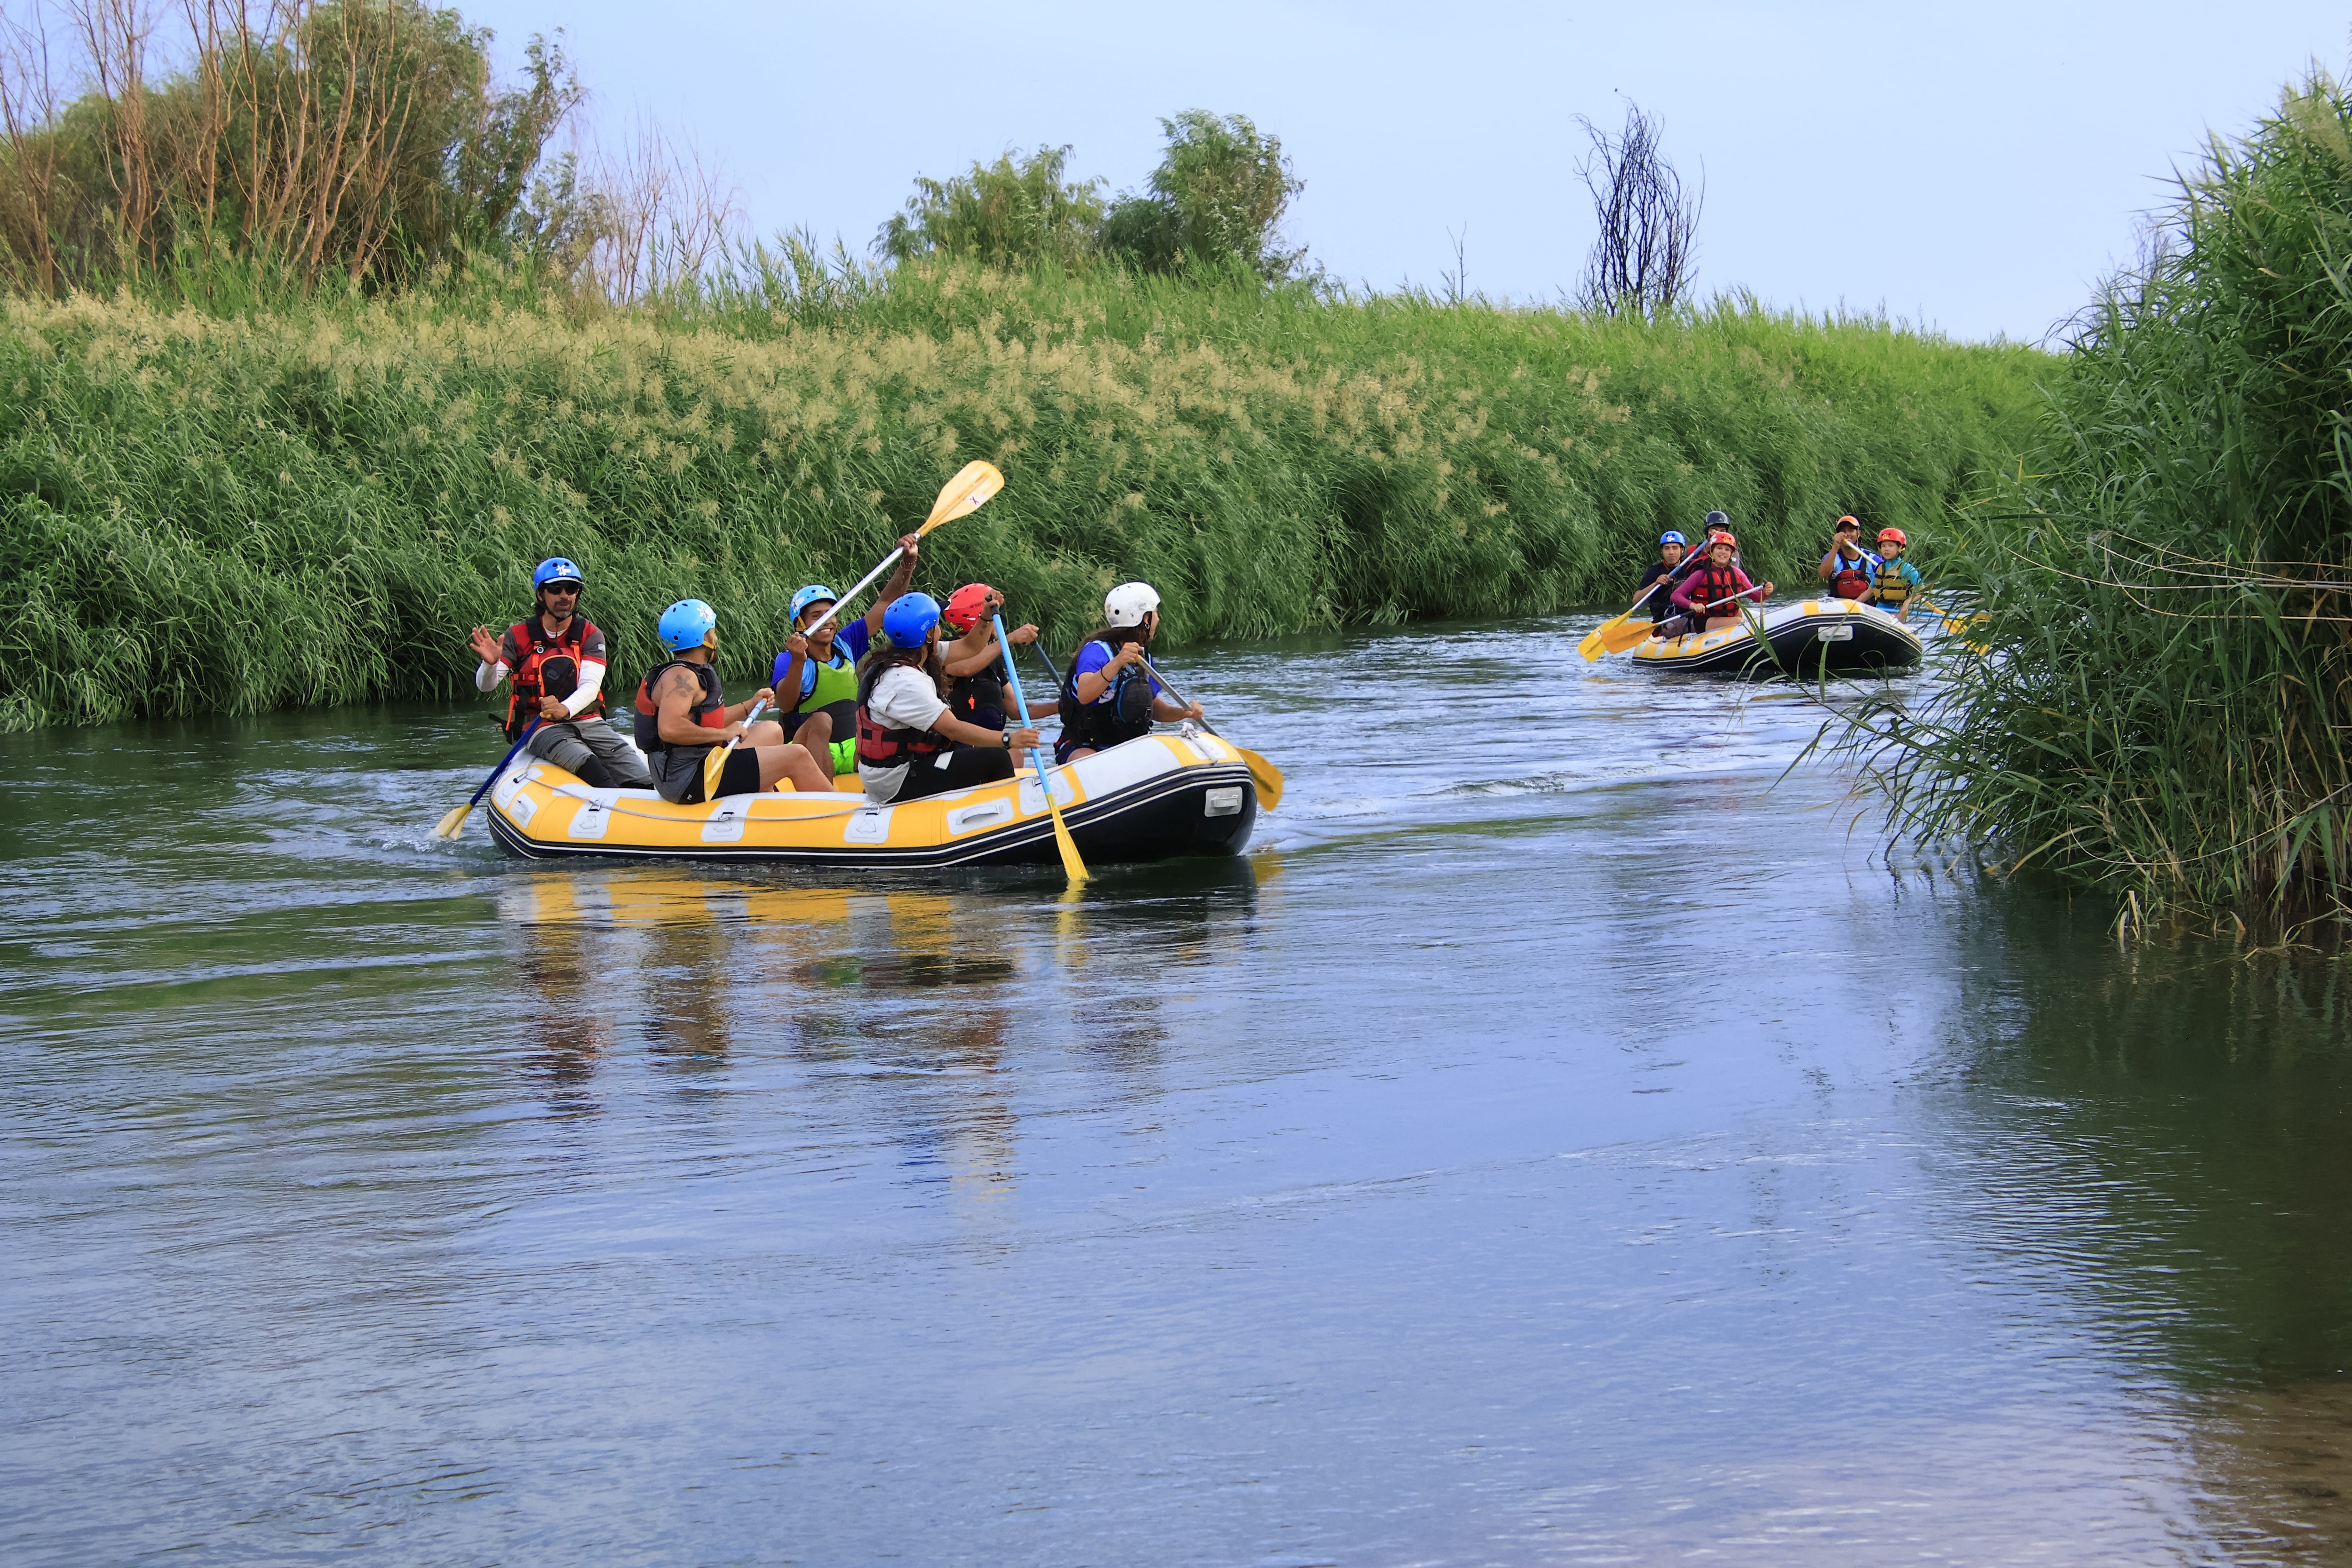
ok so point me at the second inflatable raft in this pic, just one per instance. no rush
(1805, 638)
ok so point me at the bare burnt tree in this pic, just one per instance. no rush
(1642, 261)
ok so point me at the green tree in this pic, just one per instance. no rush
(1013, 213)
(1217, 197)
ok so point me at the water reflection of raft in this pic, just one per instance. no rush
(1183, 792)
(1804, 638)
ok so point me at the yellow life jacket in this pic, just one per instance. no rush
(1894, 587)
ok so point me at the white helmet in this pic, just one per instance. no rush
(1127, 605)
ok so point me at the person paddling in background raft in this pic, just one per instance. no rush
(556, 661)
(908, 744)
(1108, 697)
(1657, 585)
(976, 684)
(682, 713)
(1898, 581)
(1715, 588)
(1851, 571)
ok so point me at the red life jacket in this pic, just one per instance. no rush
(710, 711)
(1853, 578)
(1715, 584)
(550, 668)
(880, 748)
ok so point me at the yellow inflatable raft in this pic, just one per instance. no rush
(1182, 792)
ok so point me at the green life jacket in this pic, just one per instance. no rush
(835, 683)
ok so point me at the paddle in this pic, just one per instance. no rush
(715, 763)
(1603, 638)
(1267, 777)
(966, 492)
(1073, 868)
(450, 825)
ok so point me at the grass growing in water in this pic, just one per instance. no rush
(306, 502)
(2163, 709)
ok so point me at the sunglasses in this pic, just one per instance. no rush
(572, 588)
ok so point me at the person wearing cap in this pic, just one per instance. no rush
(1897, 581)
(683, 713)
(822, 669)
(908, 744)
(1107, 697)
(1848, 569)
(1711, 595)
(555, 662)
(976, 681)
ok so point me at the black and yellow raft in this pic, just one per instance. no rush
(1805, 638)
(1180, 792)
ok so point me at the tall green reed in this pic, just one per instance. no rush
(307, 501)
(2161, 709)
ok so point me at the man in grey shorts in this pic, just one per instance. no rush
(556, 663)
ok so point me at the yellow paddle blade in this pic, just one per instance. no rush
(453, 824)
(712, 766)
(1265, 774)
(1596, 641)
(972, 485)
(1072, 866)
(1626, 637)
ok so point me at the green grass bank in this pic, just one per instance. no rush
(2166, 705)
(307, 502)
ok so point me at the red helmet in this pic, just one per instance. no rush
(966, 605)
(1721, 536)
(1895, 534)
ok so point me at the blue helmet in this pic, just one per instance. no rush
(814, 594)
(1674, 536)
(909, 621)
(685, 624)
(554, 569)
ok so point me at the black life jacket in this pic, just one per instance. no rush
(980, 699)
(1717, 584)
(1122, 715)
(1852, 580)
(550, 668)
(881, 748)
(710, 711)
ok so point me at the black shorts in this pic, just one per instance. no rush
(967, 766)
(739, 776)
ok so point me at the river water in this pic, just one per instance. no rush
(1568, 1137)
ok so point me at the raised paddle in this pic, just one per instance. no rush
(1073, 868)
(1267, 777)
(966, 492)
(450, 825)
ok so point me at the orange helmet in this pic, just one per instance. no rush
(1895, 534)
(1848, 520)
(1721, 536)
(966, 605)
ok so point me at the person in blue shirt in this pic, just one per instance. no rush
(816, 677)
(1108, 697)
(1897, 582)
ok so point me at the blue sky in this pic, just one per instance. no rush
(1973, 168)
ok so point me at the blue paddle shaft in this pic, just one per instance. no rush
(521, 741)
(1004, 650)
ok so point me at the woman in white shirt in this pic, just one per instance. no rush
(908, 744)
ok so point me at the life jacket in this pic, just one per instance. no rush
(1120, 714)
(881, 748)
(1715, 584)
(979, 698)
(1852, 580)
(550, 668)
(835, 682)
(1894, 587)
(710, 711)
